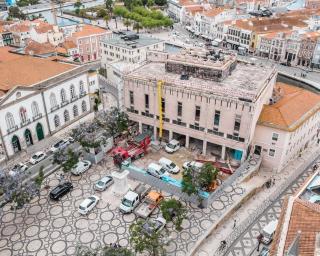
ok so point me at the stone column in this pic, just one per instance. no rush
(155, 132)
(170, 135)
(223, 152)
(187, 141)
(140, 127)
(204, 148)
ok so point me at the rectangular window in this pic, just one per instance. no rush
(179, 108)
(197, 114)
(146, 100)
(131, 98)
(216, 118)
(275, 136)
(237, 123)
(272, 152)
(163, 105)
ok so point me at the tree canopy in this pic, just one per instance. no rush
(67, 159)
(173, 210)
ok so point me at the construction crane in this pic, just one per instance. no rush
(159, 86)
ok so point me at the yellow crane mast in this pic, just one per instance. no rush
(159, 85)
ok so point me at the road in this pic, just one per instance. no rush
(246, 243)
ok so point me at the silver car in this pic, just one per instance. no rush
(104, 183)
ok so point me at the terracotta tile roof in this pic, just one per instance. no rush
(311, 35)
(186, 2)
(195, 9)
(17, 69)
(213, 12)
(69, 44)
(88, 30)
(305, 216)
(19, 28)
(35, 48)
(43, 28)
(293, 109)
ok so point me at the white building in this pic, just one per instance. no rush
(287, 126)
(131, 48)
(40, 97)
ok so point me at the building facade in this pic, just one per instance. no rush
(208, 113)
(45, 103)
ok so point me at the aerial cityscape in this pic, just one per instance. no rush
(159, 127)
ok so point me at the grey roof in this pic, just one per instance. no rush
(142, 41)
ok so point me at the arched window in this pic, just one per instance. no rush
(10, 121)
(56, 120)
(35, 109)
(53, 100)
(84, 106)
(23, 114)
(81, 87)
(72, 91)
(66, 116)
(75, 111)
(63, 95)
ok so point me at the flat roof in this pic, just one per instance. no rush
(17, 69)
(142, 41)
(245, 82)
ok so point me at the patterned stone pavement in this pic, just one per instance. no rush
(246, 244)
(44, 227)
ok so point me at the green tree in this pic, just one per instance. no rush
(77, 5)
(109, 6)
(127, 23)
(147, 241)
(206, 176)
(82, 13)
(189, 185)
(101, 13)
(39, 179)
(15, 12)
(150, 3)
(173, 210)
(66, 159)
(161, 2)
(105, 251)
(106, 18)
(137, 26)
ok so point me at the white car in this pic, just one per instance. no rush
(81, 167)
(156, 225)
(168, 165)
(104, 183)
(61, 144)
(193, 165)
(37, 157)
(172, 146)
(157, 171)
(20, 167)
(88, 204)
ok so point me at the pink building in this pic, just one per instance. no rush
(213, 105)
(88, 39)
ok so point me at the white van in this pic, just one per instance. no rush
(156, 170)
(168, 165)
(268, 231)
(172, 146)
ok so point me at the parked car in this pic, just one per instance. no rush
(193, 165)
(104, 183)
(149, 204)
(151, 226)
(81, 167)
(156, 170)
(172, 146)
(264, 252)
(70, 139)
(61, 144)
(168, 165)
(88, 204)
(132, 198)
(268, 232)
(37, 157)
(60, 190)
(20, 167)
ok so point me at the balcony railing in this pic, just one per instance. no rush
(82, 94)
(65, 102)
(195, 127)
(221, 134)
(237, 138)
(132, 110)
(74, 98)
(25, 122)
(147, 114)
(12, 129)
(178, 122)
(36, 117)
(54, 108)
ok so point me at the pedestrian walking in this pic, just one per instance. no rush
(259, 238)
(223, 245)
(234, 223)
(273, 181)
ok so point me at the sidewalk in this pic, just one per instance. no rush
(212, 242)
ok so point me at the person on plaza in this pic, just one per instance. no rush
(234, 223)
(259, 238)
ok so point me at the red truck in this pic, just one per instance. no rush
(136, 148)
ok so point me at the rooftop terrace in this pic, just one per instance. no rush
(142, 41)
(245, 81)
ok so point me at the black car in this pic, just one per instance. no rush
(61, 190)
